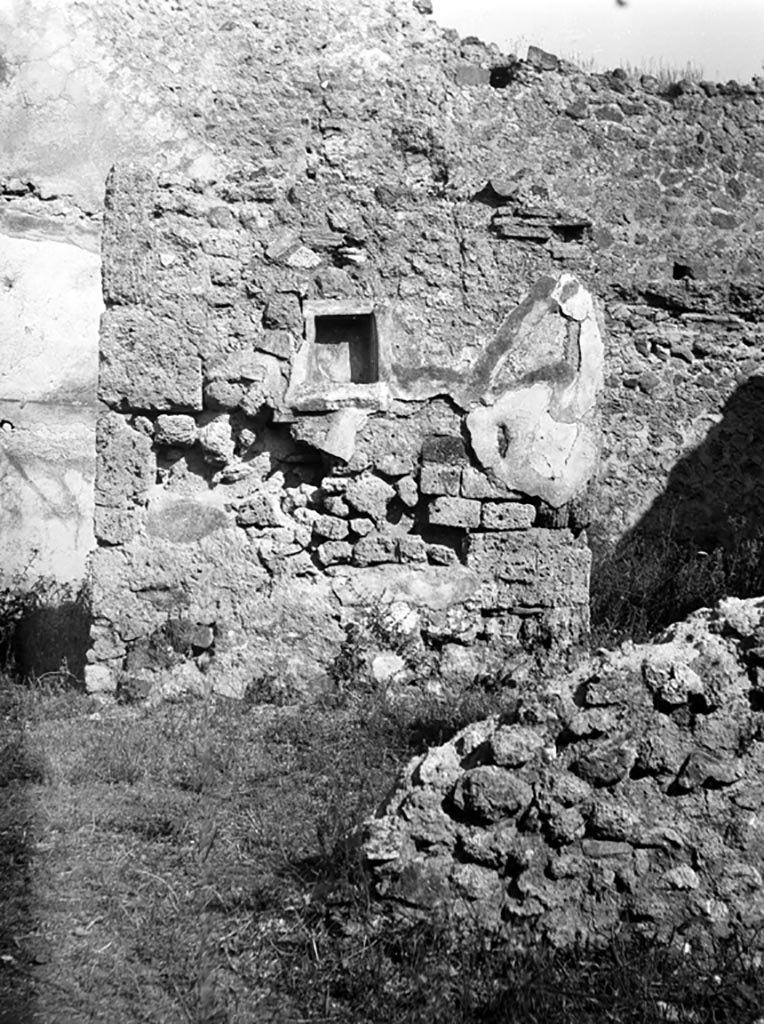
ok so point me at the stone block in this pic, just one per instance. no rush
(203, 636)
(331, 527)
(475, 484)
(99, 679)
(125, 468)
(375, 549)
(458, 664)
(115, 525)
(333, 552)
(412, 548)
(548, 588)
(222, 394)
(444, 449)
(370, 495)
(129, 243)
(507, 515)
(217, 441)
(243, 366)
(417, 586)
(437, 479)
(260, 510)
(178, 431)
(488, 794)
(336, 506)
(387, 667)
(223, 244)
(407, 491)
(515, 557)
(105, 646)
(335, 484)
(268, 391)
(461, 512)
(361, 526)
(441, 554)
(512, 746)
(394, 464)
(276, 343)
(283, 312)
(147, 364)
(472, 74)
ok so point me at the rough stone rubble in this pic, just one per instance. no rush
(633, 791)
(277, 460)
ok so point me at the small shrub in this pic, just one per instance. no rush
(380, 629)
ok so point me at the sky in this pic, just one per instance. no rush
(722, 38)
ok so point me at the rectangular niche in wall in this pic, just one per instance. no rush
(343, 342)
(341, 361)
(346, 348)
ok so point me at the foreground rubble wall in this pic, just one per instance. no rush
(630, 792)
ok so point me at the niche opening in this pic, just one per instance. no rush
(345, 348)
(342, 362)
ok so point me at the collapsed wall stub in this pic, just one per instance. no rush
(296, 431)
(628, 794)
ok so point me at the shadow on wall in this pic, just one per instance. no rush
(54, 639)
(44, 630)
(701, 540)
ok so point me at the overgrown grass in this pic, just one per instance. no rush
(646, 583)
(195, 863)
(665, 74)
(44, 625)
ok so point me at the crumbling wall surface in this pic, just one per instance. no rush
(630, 792)
(265, 482)
(371, 166)
(650, 194)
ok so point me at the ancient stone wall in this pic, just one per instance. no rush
(290, 441)
(380, 170)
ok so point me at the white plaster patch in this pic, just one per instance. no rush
(50, 305)
(573, 299)
(523, 446)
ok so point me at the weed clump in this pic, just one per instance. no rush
(646, 583)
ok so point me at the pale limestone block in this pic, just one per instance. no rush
(461, 512)
(99, 679)
(437, 479)
(331, 527)
(178, 431)
(507, 515)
